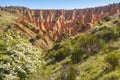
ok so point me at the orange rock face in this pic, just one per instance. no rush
(58, 22)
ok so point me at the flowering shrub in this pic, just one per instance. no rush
(18, 59)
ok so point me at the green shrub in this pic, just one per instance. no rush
(100, 23)
(56, 55)
(18, 59)
(106, 18)
(77, 55)
(56, 47)
(112, 59)
(113, 45)
(52, 52)
(38, 37)
(90, 44)
(69, 72)
(72, 72)
(115, 22)
(111, 76)
(32, 41)
(106, 33)
(109, 35)
(85, 46)
(98, 29)
(59, 56)
(60, 51)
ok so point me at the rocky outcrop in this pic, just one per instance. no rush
(55, 25)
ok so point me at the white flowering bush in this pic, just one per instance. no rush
(18, 58)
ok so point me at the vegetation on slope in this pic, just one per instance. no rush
(94, 55)
(18, 59)
(27, 30)
(6, 19)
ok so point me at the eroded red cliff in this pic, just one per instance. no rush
(56, 24)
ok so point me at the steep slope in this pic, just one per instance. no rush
(93, 55)
(57, 23)
(18, 58)
(8, 21)
(51, 26)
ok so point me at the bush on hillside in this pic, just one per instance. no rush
(18, 59)
(68, 72)
(59, 56)
(32, 41)
(112, 59)
(56, 46)
(62, 53)
(106, 18)
(90, 44)
(117, 22)
(112, 76)
(106, 33)
(85, 46)
(59, 52)
(100, 23)
(38, 37)
(33, 29)
(77, 55)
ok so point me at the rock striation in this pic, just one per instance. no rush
(55, 25)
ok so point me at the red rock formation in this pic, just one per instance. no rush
(53, 23)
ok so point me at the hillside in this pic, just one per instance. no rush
(79, 44)
(55, 25)
(52, 26)
(93, 55)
